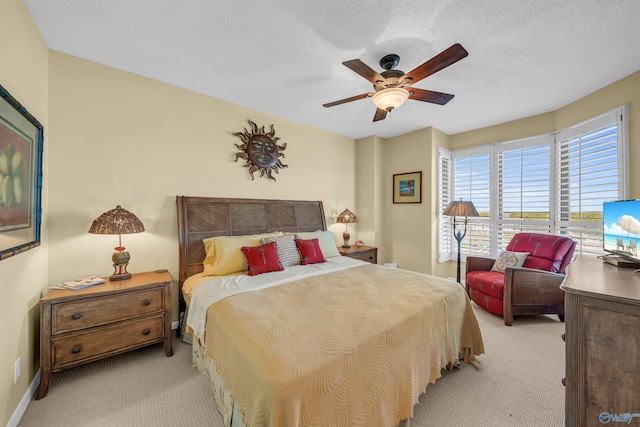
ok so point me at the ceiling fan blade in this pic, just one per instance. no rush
(364, 70)
(344, 101)
(450, 56)
(429, 96)
(380, 115)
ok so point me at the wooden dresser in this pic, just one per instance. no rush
(81, 326)
(363, 253)
(602, 315)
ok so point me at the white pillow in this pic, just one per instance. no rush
(326, 240)
(509, 259)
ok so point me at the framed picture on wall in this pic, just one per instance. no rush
(407, 187)
(21, 141)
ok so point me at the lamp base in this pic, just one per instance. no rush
(346, 236)
(120, 272)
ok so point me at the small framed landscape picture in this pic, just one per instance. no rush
(407, 187)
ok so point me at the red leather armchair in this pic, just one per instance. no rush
(533, 288)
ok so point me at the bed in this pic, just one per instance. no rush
(335, 343)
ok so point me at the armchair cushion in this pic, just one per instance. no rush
(487, 282)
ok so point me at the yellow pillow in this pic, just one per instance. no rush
(224, 253)
(326, 240)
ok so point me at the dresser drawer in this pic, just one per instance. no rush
(78, 315)
(106, 341)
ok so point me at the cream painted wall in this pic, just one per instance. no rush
(119, 138)
(24, 73)
(408, 226)
(369, 185)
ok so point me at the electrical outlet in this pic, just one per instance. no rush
(16, 370)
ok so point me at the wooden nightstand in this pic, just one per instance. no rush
(363, 253)
(82, 326)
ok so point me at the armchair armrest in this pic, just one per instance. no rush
(528, 291)
(531, 286)
(475, 263)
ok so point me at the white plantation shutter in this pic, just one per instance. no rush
(445, 189)
(472, 182)
(592, 166)
(524, 189)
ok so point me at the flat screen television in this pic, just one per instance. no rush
(621, 229)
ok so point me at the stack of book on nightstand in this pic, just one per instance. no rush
(79, 283)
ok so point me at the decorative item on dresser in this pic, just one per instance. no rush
(346, 217)
(364, 253)
(81, 326)
(602, 308)
(465, 209)
(118, 221)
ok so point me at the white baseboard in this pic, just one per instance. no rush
(24, 402)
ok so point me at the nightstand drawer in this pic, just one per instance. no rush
(369, 256)
(102, 341)
(74, 316)
(363, 253)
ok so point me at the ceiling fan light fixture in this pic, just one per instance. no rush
(390, 98)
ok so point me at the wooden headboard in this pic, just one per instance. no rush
(203, 217)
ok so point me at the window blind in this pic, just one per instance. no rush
(472, 181)
(445, 230)
(523, 194)
(591, 171)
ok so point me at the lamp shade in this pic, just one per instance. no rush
(117, 221)
(460, 208)
(390, 98)
(347, 217)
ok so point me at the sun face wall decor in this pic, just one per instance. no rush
(260, 151)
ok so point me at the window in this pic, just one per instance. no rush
(550, 184)
(592, 168)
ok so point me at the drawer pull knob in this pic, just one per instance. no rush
(146, 332)
(76, 316)
(564, 337)
(75, 350)
(146, 302)
(564, 380)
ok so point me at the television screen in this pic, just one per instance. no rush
(622, 228)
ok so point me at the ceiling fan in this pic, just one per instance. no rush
(393, 87)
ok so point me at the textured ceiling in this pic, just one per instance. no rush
(285, 57)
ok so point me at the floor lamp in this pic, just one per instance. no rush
(465, 209)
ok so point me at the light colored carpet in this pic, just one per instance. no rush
(519, 385)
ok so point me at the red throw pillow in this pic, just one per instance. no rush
(262, 259)
(310, 252)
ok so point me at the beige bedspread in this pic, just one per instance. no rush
(355, 347)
